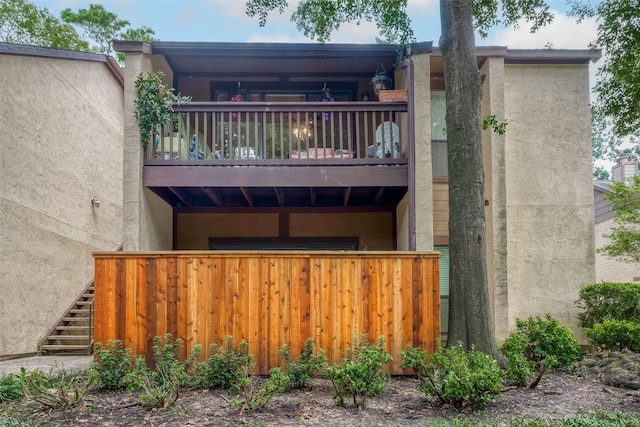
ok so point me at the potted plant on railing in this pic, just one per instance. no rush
(154, 100)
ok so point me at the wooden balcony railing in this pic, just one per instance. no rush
(283, 133)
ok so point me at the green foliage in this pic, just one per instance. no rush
(618, 301)
(615, 335)
(305, 366)
(360, 374)
(319, 18)
(10, 388)
(487, 15)
(547, 341)
(490, 122)
(226, 368)
(606, 145)
(22, 22)
(6, 421)
(59, 390)
(154, 100)
(161, 385)
(111, 365)
(618, 85)
(455, 376)
(256, 396)
(520, 368)
(625, 234)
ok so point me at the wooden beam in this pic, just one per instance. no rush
(378, 196)
(247, 195)
(213, 195)
(347, 193)
(279, 196)
(179, 196)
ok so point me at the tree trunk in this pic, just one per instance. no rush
(470, 321)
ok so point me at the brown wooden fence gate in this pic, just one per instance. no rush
(268, 299)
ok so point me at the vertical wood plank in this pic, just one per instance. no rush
(172, 299)
(131, 278)
(120, 306)
(100, 301)
(153, 295)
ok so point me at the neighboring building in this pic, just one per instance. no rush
(282, 171)
(61, 145)
(609, 269)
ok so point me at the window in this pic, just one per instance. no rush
(444, 287)
(438, 135)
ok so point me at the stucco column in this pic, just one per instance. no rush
(493, 152)
(423, 171)
(147, 218)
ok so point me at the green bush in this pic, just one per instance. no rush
(111, 366)
(547, 340)
(226, 367)
(305, 366)
(160, 385)
(455, 376)
(520, 369)
(256, 396)
(10, 387)
(615, 335)
(360, 374)
(600, 301)
(59, 390)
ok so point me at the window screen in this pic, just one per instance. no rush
(444, 287)
(438, 135)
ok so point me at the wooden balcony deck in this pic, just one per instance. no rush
(268, 299)
(224, 154)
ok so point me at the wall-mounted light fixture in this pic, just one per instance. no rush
(95, 202)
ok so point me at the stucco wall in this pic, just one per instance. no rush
(147, 218)
(61, 145)
(549, 191)
(609, 269)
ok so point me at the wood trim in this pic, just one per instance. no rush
(441, 240)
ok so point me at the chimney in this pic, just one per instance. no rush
(625, 169)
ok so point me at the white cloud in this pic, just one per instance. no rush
(563, 33)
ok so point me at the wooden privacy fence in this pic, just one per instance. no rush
(268, 299)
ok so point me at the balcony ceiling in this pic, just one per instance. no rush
(197, 59)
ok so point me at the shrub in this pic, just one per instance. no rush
(256, 396)
(455, 376)
(59, 390)
(619, 301)
(549, 341)
(161, 385)
(10, 387)
(360, 374)
(520, 369)
(615, 335)
(305, 366)
(112, 364)
(226, 367)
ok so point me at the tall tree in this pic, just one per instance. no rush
(624, 241)
(618, 85)
(609, 146)
(469, 320)
(22, 22)
(103, 26)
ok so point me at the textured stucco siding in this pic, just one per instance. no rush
(61, 145)
(549, 191)
(148, 220)
(610, 269)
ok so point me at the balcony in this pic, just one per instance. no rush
(303, 154)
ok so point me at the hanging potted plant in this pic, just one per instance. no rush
(381, 81)
(154, 100)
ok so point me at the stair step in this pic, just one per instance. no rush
(68, 337)
(49, 347)
(79, 310)
(87, 296)
(76, 319)
(73, 328)
(84, 302)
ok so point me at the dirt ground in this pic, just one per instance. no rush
(559, 395)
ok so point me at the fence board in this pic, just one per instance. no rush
(269, 299)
